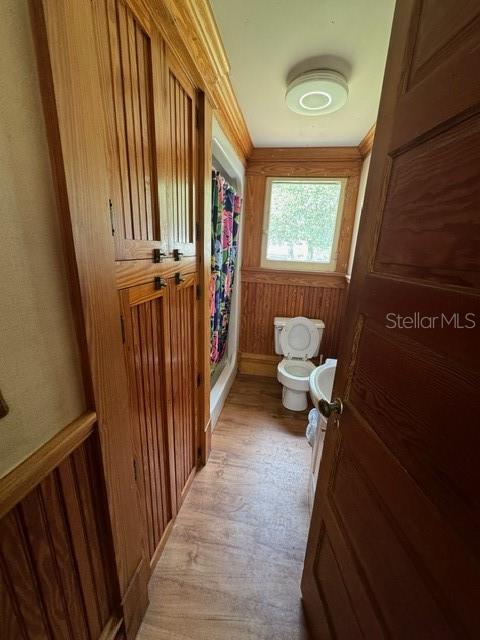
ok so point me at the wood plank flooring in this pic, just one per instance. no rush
(231, 568)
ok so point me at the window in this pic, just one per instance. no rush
(302, 223)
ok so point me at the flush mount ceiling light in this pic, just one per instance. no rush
(316, 93)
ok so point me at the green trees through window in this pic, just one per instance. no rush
(302, 220)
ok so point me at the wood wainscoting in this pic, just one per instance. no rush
(267, 293)
(289, 298)
(57, 568)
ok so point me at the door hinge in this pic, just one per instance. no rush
(122, 328)
(135, 469)
(199, 379)
(199, 453)
(198, 291)
(112, 222)
(197, 231)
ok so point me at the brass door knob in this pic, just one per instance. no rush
(327, 408)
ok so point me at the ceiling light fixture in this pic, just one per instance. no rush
(316, 93)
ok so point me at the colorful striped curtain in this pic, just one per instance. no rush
(226, 205)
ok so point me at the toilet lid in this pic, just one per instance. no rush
(299, 338)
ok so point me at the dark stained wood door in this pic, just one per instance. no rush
(183, 327)
(146, 319)
(394, 543)
(132, 67)
(182, 159)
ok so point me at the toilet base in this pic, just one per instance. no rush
(294, 400)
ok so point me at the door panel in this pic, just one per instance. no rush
(184, 383)
(181, 184)
(147, 349)
(422, 206)
(131, 57)
(397, 496)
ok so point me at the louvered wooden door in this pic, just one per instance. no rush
(184, 379)
(146, 321)
(181, 183)
(131, 58)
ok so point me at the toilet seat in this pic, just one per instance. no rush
(299, 339)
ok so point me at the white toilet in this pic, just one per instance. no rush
(298, 339)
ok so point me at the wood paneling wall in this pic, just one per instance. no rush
(57, 572)
(264, 301)
(267, 293)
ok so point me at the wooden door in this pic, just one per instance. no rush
(183, 319)
(131, 61)
(146, 326)
(394, 543)
(182, 145)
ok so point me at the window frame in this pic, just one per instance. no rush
(297, 265)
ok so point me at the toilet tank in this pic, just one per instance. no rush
(280, 322)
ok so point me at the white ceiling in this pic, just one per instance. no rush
(268, 41)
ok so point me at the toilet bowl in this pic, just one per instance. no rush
(298, 339)
(294, 375)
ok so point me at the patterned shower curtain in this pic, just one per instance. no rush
(226, 206)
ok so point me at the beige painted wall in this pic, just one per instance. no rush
(39, 364)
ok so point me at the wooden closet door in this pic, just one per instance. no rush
(182, 141)
(145, 310)
(184, 380)
(131, 60)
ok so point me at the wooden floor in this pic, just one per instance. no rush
(232, 566)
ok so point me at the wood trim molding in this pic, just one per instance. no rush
(306, 169)
(64, 39)
(29, 473)
(258, 364)
(304, 154)
(204, 250)
(366, 144)
(111, 629)
(257, 173)
(190, 30)
(297, 278)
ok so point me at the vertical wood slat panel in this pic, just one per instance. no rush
(182, 326)
(55, 565)
(125, 52)
(261, 302)
(182, 143)
(146, 367)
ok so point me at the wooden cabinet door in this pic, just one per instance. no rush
(394, 544)
(184, 379)
(182, 141)
(131, 60)
(145, 316)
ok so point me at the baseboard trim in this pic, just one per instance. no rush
(135, 600)
(112, 629)
(258, 364)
